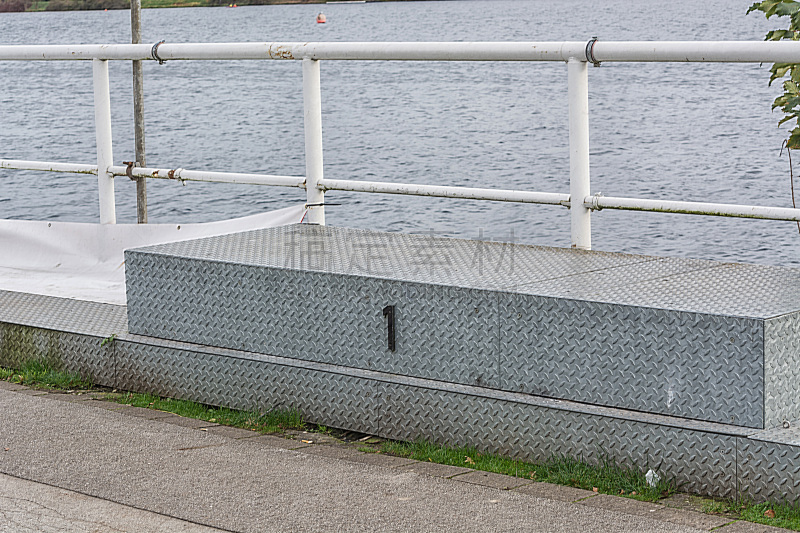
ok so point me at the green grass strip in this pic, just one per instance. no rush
(39, 374)
(785, 515)
(607, 477)
(274, 421)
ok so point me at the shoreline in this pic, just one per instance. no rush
(33, 6)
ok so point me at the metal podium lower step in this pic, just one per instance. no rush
(703, 457)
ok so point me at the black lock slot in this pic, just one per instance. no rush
(388, 312)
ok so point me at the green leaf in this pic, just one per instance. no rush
(779, 35)
(776, 35)
(761, 6)
(786, 8)
(778, 71)
(791, 87)
(789, 101)
(755, 7)
(791, 104)
(794, 139)
(786, 102)
(770, 9)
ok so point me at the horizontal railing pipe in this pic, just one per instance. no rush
(381, 51)
(576, 53)
(640, 51)
(698, 51)
(692, 208)
(445, 191)
(18, 164)
(181, 174)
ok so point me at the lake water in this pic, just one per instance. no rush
(672, 131)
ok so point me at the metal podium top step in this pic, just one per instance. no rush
(730, 289)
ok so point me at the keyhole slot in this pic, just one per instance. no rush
(388, 312)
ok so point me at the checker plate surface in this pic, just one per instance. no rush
(707, 458)
(701, 462)
(634, 332)
(70, 352)
(63, 314)
(768, 470)
(781, 369)
(248, 383)
(729, 289)
(670, 362)
(446, 333)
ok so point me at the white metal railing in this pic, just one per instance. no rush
(576, 54)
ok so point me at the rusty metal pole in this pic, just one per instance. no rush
(138, 112)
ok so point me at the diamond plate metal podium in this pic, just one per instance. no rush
(688, 367)
(676, 337)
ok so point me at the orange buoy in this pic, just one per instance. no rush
(321, 18)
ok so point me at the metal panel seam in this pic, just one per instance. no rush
(57, 330)
(385, 379)
(496, 305)
(736, 466)
(18, 324)
(114, 361)
(763, 326)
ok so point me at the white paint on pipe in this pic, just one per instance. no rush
(442, 191)
(698, 51)
(384, 51)
(644, 51)
(55, 52)
(312, 122)
(692, 208)
(18, 164)
(105, 156)
(182, 174)
(579, 183)
(378, 51)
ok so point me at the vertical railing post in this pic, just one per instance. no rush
(138, 113)
(579, 183)
(102, 125)
(312, 121)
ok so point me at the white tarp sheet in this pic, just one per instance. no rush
(86, 261)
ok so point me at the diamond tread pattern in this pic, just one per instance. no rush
(566, 324)
(384, 404)
(59, 314)
(71, 352)
(699, 461)
(729, 289)
(272, 312)
(781, 369)
(248, 384)
(768, 471)
(674, 363)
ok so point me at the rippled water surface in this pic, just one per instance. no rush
(672, 131)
